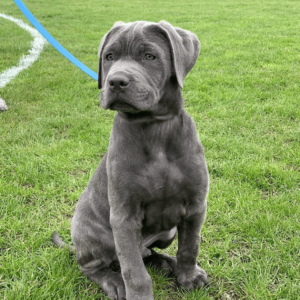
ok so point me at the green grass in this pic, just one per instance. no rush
(244, 95)
(15, 42)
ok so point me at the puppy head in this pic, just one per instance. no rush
(140, 61)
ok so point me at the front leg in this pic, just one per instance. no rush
(127, 236)
(189, 275)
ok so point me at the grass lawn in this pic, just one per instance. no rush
(244, 95)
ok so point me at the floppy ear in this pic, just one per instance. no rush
(102, 43)
(101, 47)
(185, 48)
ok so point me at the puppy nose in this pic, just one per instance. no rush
(118, 82)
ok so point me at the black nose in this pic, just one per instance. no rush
(118, 82)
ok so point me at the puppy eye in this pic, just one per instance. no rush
(149, 56)
(109, 57)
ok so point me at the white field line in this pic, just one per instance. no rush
(37, 46)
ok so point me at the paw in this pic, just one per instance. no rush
(193, 280)
(161, 262)
(162, 266)
(114, 287)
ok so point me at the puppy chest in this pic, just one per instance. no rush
(162, 179)
(165, 194)
(160, 216)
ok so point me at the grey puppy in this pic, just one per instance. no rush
(153, 181)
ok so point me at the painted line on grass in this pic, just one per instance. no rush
(37, 46)
(53, 41)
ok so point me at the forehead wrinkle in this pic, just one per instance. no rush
(113, 45)
(132, 38)
(132, 35)
(119, 37)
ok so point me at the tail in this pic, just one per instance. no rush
(60, 243)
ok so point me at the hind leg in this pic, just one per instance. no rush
(99, 267)
(161, 262)
(96, 256)
(111, 282)
(168, 266)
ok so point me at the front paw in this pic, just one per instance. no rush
(138, 285)
(193, 279)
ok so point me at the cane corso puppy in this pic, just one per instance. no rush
(153, 181)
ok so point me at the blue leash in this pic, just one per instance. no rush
(53, 41)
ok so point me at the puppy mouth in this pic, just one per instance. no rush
(123, 107)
